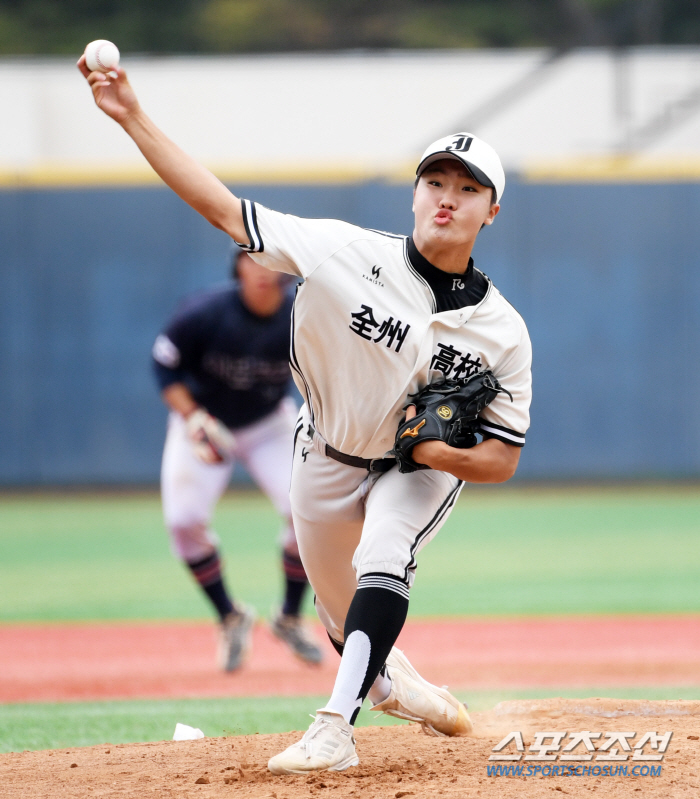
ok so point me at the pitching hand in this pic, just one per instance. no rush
(113, 95)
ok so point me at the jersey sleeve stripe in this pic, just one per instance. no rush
(246, 247)
(255, 228)
(491, 430)
(250, 221)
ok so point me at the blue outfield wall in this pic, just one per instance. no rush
(606, 277)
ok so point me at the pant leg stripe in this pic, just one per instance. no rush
(439, 515)
(298, 429)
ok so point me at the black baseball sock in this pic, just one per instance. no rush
(207, 573)
(377, 614)
(336, 645)
(293, 597)
(295, 584)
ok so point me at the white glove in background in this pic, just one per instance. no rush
(211, 440)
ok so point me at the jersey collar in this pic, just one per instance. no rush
(451, 291)
(436, 278)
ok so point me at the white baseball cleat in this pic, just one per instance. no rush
(235, 638)
(415, 699)
(328, 745)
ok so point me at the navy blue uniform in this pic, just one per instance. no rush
(235, 364)
(236, 367)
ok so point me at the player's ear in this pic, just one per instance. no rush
(415, 189)
(493, 212)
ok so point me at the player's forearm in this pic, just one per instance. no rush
(191, 181)
(492, 461)
(178, 398)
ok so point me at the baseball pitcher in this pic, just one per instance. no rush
(378, 319)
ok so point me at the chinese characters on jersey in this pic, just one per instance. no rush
(388, 331)
(452, 363)
(448, 360)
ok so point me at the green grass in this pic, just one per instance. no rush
(545, 552)
(503, 551)
(107, 557)
(60, 726)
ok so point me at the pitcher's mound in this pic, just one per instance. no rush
(596, 706)
(394, 761)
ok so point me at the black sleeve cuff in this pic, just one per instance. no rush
(504, 434)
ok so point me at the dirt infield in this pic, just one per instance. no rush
(61, 662)
(116, 661)
(395, 762)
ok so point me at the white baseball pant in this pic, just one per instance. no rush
(190, 488)
(350, 522)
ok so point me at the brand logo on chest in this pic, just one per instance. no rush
(374, 277)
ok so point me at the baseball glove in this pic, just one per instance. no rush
(447, 411)
(212, 441)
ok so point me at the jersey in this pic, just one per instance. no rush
(371, 325)
(235, 364)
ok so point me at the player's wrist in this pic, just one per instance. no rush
(134, 120)
(443, 458)
(432, 453)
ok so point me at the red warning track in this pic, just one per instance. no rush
(44, 663)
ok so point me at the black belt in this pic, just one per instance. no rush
(371, 464)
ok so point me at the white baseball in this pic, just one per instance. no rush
(101, 56)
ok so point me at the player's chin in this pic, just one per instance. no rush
(445, 233)
(454, 233)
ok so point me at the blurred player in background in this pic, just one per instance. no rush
(222, 364)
